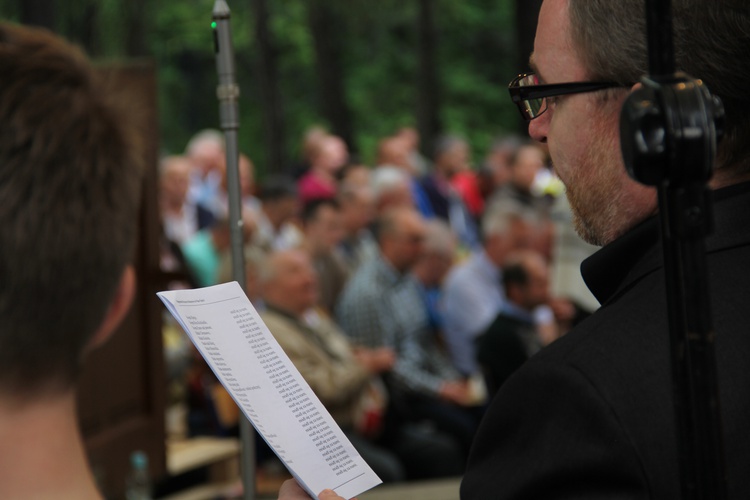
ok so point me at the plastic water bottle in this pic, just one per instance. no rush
(138, 485)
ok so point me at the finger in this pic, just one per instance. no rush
(330, 495)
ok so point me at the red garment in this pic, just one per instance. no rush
(467, 185)
(311, 187)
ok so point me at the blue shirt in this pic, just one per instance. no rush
(420, 200)
(472, 296)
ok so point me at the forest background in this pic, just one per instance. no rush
(360, 68)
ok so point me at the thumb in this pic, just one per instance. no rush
(330, 495)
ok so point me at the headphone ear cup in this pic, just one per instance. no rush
(669, 131)
(643, 137)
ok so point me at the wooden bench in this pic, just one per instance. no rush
(221, 456)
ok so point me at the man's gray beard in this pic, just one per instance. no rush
(585, 231)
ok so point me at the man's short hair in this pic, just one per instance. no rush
(386, 179)
(514, 274)
(70, 181)
(507, 143)
(350, 192)
(499, 220)
(209, 136)
(389, 223)
(445, 144)
(522, 145)
(311, 209)
(711, 39)
(439, 238)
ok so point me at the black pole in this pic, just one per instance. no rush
(660, 44)
(662, 65)
(669, 132)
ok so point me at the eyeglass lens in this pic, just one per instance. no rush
(531, 107)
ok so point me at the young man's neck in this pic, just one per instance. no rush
(42, 454)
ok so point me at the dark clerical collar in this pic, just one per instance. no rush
(636, 253)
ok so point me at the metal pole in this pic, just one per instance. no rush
(685, 212)
(228, 94)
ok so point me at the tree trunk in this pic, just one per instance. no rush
(136, 18)
(327, 32)
(428, 83)
(268, 79)
(527, 13)
(80, 24)
(39, 13)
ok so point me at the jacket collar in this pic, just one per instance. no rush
(618, 265)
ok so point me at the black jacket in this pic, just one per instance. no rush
(591, 416)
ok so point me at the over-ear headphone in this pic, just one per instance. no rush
(669, 131)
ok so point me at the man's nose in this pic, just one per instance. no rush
(539, 127)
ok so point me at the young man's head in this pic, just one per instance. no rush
(69, 198)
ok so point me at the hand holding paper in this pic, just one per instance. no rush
(290, 490)
(229, 334)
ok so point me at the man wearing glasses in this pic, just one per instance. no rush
(591, 416)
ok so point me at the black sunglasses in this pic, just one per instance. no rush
(531, 98)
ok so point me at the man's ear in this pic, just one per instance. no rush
(119, 306)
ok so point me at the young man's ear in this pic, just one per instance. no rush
(119, 306)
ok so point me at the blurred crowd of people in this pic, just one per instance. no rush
(405, 292)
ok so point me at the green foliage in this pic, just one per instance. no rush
(475, 55)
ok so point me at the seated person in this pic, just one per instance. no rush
(205, 251)
(323, 230)
(357, 207)
(513, 336)
(424, 377)
(207, 153)
(346, 380)
(277, 217)
(180, 217)
(451, 156)
(473, 292)
(327, 157)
